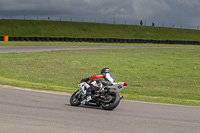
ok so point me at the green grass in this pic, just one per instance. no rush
(34, 28)
(29, 43)
(164, 75)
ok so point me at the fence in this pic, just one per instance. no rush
(108, 20)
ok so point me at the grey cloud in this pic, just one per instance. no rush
(186, 12)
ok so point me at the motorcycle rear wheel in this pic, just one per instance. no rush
(113, 103)
(75, 99)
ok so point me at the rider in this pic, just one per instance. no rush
(90, 88)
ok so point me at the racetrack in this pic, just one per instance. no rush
(26, 111)
(20, 49)
(30, 112)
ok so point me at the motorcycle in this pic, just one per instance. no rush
(106, 96)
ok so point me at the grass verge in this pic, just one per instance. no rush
(24, 43)
(164, 75)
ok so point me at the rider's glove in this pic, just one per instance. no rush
(85, 80)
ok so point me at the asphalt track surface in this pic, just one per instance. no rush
(27, 111)
(20, 49)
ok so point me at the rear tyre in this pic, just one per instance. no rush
(113, 101)
(75, 98)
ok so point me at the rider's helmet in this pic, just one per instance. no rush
(105, 70)
(107, 75)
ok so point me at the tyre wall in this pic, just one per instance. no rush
(99, 40)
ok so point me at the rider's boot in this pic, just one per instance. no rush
(87, 99)
(88, 95)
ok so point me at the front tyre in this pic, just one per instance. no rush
(111, 102)
(75, 98)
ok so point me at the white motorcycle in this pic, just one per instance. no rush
(106, 96)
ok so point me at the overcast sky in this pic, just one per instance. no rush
(177, 12)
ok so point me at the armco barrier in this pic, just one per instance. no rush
(26, 38)
(100, 40)
(1, 38)
(32, 38)
(21, 38)
(10, 39)
(16, 39)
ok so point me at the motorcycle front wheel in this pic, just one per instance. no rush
(111, 102)
(75, 98)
